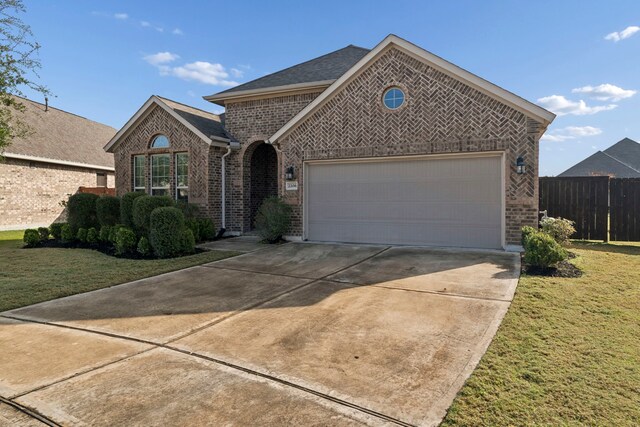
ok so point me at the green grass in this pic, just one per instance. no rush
(567, 352)
(29, 276)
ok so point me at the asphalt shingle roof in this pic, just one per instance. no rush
(326, 67)
(59, 135)
(207, 123)
(615, 161)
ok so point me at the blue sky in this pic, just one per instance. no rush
(578, 58)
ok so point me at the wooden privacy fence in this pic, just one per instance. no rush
(603, 208)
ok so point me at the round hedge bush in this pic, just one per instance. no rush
(66, 234)
(82, 235)
(44, 233)
(273, 219)
(167, 229)
(108, 210)
(31, 238)
(56, 230)
(126, 207)
(126, 241)
(81, 211)
(92, 235)
(142, 208)
(541, 250)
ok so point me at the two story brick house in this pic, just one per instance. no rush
(391, 145)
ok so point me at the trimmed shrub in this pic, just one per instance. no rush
(144, 247)
(194, 226)
(105, 231)
(44, 233)
(126, 241)
(31, 238)
(81, 211)
(541, 250)
(526, 231)
(273, 219)
(82, 235)
(558, 228)
(126, 207)
(114, 232)
(187, 241)
(167, 225)
(189, 210)
(92, 235)
(207, 229)
(66, 234)
(108, 210)
(56, 230)
(142, 208)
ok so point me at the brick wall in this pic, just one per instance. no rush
(31, 192)
(250, 123)
(440, 115)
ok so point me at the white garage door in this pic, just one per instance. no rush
(445, 201)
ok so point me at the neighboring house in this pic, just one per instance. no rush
(621, 160)
(392, 145)
(61, 153)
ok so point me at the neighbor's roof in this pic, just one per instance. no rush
(626, 151)
(60, 137)
(207, 126)
(322, 71)
(514, 101)
(601, 164)
(207, 123)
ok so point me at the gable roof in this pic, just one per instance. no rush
(320, 71)
(207, 126)
(60, 137)
(601, 164)
(616, 161)
(626, 151)
(520, 104)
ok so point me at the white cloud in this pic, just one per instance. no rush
(159, 29)
(563, 106)
(571, 132)
(191, 93)
(161, 58)
(203, 72)
(199, 71)
(616, 36)
(145, 24)
(605, 92)
(121, 16)
(177, 32)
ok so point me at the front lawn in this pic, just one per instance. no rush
(567, 352)
(28, 276)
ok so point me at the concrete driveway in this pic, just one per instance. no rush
(312, 334)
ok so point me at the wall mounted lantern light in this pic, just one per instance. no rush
(290, 173)
(520, 168)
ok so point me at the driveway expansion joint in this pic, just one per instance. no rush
(29, 412)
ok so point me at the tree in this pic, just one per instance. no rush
(18, 62)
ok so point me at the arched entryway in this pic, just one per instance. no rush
(263, 179)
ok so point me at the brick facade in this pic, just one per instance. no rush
(31, 192)
(440, 115)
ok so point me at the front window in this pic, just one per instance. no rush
(138, 173)
(160, 174)
(160, 141)
(182, 177)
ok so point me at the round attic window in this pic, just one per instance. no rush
(160, 141)
(393, 98)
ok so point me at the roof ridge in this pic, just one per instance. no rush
(617, 160)
(296, 65)
(48, 106)
(187, 105)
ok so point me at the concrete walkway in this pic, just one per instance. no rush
(300, 333)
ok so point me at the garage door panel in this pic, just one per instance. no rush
(444, 202)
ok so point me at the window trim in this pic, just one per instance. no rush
(144, 171)
(177, 187)
(151, 186)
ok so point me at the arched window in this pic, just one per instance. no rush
(160, 141)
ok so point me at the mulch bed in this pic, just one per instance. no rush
(106, 249)
(562, 269)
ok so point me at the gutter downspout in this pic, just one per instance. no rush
(232, 145)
